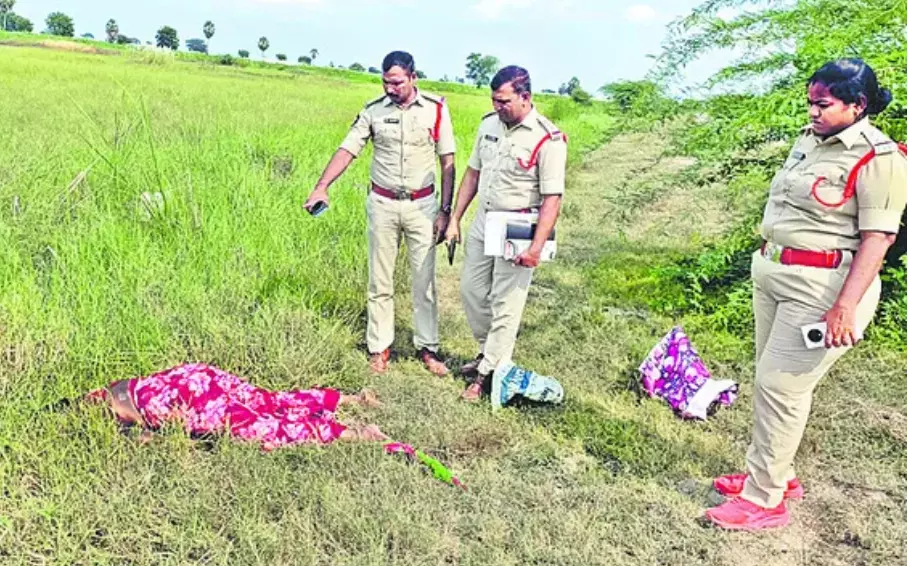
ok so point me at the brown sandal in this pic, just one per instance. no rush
(432, 362)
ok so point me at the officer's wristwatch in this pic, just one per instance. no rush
(446, 209)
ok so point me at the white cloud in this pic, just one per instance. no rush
(494, 9)
(640, 13)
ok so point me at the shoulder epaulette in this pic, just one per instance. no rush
(489, 115)
(880, 142)
(374, 101)
(550, 128)
(432, 97)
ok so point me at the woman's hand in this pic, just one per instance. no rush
(868, 259)
(840, 326)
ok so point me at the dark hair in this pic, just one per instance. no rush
(848, 80)
(400, 59)
(517, 76)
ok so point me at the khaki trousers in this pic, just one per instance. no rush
(388, 220)
(785, 298)
(494, 293)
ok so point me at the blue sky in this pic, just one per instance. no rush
(597, 41)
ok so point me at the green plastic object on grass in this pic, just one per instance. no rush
(439, 470)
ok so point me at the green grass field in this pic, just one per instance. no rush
(95, 286)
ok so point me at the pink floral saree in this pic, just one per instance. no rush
(208, 400)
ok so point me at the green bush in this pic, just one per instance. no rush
(889, 325)
(741, 139)
(560, 108)
(581, 96)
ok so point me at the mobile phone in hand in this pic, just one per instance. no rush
(318, 208)
(814, 335)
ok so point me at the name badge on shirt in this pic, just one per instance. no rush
(392, 120)
(798, 154)
(491, 138)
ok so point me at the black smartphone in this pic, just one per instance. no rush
(318, 208)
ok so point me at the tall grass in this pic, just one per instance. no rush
(96, 285)
(150, 214)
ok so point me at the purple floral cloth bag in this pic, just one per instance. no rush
(674, 371)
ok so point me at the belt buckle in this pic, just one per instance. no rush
(402, 194)
(773, 252)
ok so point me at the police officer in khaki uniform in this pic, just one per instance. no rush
(517, 164)
(833, 211)
(408, 128)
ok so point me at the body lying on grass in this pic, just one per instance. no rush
(208, 400)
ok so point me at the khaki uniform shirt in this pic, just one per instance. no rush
(515, 171)
(405, 149)
(805, 208)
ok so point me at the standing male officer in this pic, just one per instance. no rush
(408, 129)
(517, 164)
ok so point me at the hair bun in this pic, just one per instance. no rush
(883, 98)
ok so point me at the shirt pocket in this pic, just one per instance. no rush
(521, 163)
(419, 132)
(788, 174)
(792, 161)
(823, 186)
(488, 152)
(386, 132)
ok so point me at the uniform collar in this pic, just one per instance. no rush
(416, 100)
(849, 136)
(527, 121)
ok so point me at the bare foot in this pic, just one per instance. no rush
(368, 398)
(372, 433)
(365, 398)
(146, 437)
(367, 433)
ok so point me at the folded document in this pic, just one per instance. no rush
(509, 234)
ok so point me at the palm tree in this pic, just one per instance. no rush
(208, 30)
(313, 53)
(112, 30)
(6, 6)
(263, 45)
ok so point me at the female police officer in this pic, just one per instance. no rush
(833, 211)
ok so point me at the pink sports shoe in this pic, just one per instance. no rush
(742, 515)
